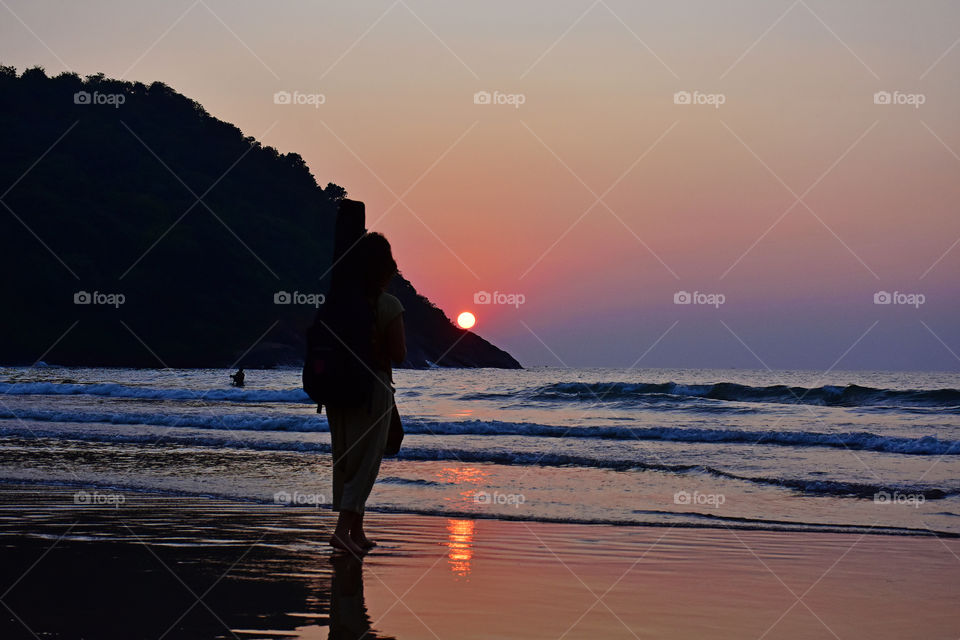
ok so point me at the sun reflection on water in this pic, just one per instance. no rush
(462, 475)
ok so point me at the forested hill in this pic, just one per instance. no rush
(180, 231)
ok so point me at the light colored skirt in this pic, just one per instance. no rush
(358, 436)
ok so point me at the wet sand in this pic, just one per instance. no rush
(154, 566)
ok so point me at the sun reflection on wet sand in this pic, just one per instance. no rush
(460, 532)
(460, 546)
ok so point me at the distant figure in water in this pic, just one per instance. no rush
(238, 377)
(359, 434)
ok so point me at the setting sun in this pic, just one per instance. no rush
(466, 320)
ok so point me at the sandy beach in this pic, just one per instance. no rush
(94, 563)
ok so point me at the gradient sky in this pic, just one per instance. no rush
(693, 198)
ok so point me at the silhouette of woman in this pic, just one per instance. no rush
(359, 434)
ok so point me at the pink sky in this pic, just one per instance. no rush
(701, 195)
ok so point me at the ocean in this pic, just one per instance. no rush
(844, 451)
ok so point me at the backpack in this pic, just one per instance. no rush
(338, 367)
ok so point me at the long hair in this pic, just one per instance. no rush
(376, 266)
(350, 308)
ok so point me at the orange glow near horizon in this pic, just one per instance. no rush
(466, 320)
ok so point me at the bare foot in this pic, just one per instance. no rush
(359, 537)
(363, 542)
(342, 543)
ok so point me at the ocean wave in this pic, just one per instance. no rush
(310, 423)
(631, 393)
(828, 395)
(836, 488)
(213, 420)
(113, 390)
(417, 482)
